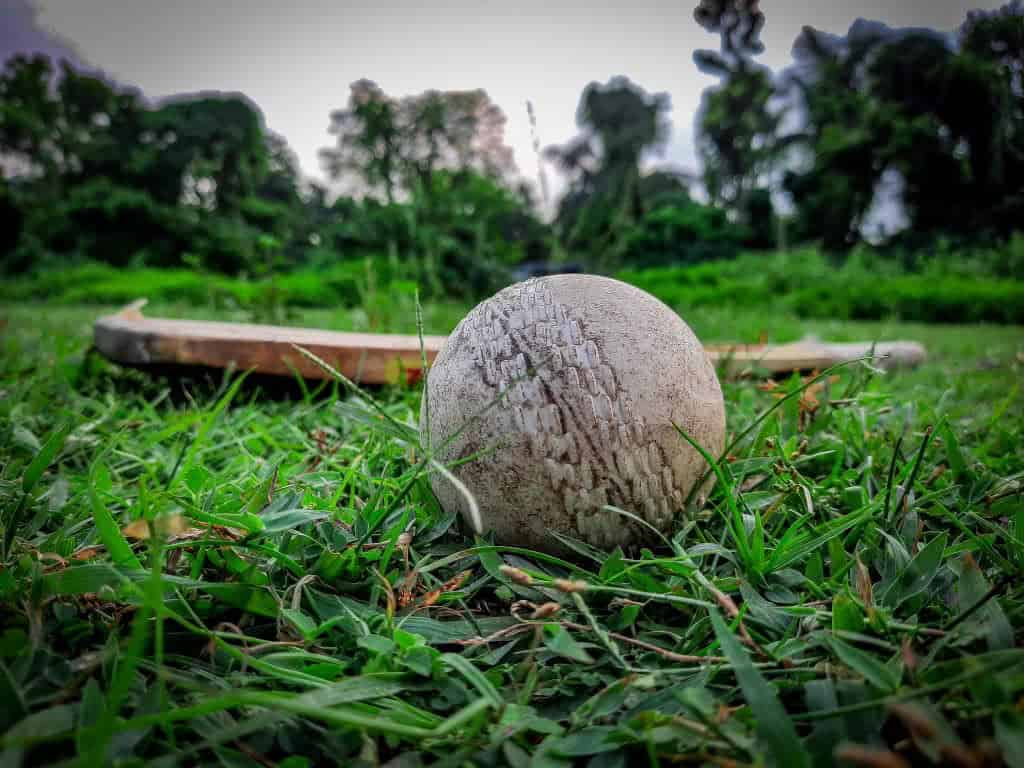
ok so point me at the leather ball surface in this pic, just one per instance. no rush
(557, 397)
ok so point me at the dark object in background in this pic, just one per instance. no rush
(11, 222)
(529, 269)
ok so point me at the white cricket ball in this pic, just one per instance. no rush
(556, 398)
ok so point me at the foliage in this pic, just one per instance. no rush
(737, 141)
(946, 120)
(201, 574)
(197, 181)
(368, 136)
(107, 177)
(738, 23)
(738, 126)
(459, 237)
(344, 284)
(687, 258)
(681, 231)
(96, 173)
(867, 286)
(619, 122)
(937, 121)
(397, 145)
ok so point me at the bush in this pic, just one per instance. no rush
(102, 284)
(342, 285)
(684, 232)
(864, 287)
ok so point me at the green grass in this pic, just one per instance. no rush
(853, 584)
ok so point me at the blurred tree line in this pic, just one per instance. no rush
(939, 116)
(95, 172)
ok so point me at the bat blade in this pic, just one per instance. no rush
(130, 338)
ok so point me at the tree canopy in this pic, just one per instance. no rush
(619, 123)
(393, 146)
(94, 171)
(942, 115)
(738, 125)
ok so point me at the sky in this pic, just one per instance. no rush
(296, 59)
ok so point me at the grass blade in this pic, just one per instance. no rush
(474, 676)
(47, 453)
(775, 730)
(44, 458)
(110, 534)
(871, 669)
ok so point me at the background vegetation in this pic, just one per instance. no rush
(97, 174)
(215, 571)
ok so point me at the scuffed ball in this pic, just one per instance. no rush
(556, 398)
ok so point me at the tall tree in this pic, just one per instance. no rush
(833, 178)
(66, 126)
(396, 145)
(28, 114)
(215, 145)
(738, 23)
(619, 122)
(102, 174)
(944, 117)
(996, 38)
(456, 131)
(737, 125)
(368, 138)
(738, 137)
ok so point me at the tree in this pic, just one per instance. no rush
(96, 122)
(737, 127)
(663, 187)
(837, 170)
(996, 41)
(397, 145)
(28, 114)
(619, 122)
(368, 140)
(214, 145)
(100, 174)
(944, 117)
(916, 95)
(738, 23)
(738, 137)
(455, 131)
(67, 126)
(462, 242)
(73, 137)
(12, 221)
(682, 231)
(281, 181)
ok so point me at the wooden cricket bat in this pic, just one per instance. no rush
(376, 358)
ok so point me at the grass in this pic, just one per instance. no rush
(199, 573)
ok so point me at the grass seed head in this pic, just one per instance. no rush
(569, 586)
(515, 574)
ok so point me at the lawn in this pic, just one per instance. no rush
(202, 572)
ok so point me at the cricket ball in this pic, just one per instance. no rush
(558, 398)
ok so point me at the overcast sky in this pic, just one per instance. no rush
(296, 59)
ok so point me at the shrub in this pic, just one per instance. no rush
(864, 287)
(804, 283)
(684, 232)
(342, 285)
